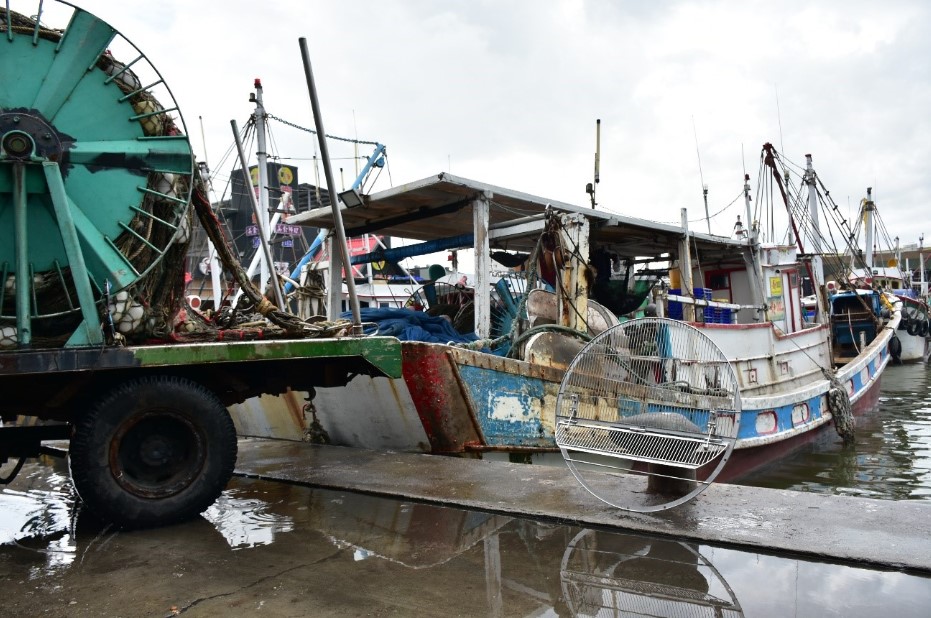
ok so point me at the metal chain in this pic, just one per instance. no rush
(341, 139)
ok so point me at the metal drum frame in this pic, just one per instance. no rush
(95, 169)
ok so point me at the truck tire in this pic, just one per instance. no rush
(155, 450)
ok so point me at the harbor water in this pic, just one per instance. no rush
(278, 549)
(890, 458)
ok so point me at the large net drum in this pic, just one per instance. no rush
(95, 181)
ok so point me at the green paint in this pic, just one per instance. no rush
(384, 353)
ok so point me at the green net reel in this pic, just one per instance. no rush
(96, 174)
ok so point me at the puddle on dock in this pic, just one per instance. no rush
(286, 549)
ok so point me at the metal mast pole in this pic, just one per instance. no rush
(261, 154)
(753, 243)
(263, 239)
(816, 262)
(868, 229)
(331, 187)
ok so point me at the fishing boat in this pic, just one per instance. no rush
(910, 343)
(493, 393)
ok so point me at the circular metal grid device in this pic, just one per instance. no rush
(647, 414)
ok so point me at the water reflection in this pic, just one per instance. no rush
(891, 458)
(607, 574)
(247, 521)
(414, 535)
(267, 543)
(36, 515)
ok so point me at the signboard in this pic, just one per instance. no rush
(777, 308)
(288, 230)
(775, 286)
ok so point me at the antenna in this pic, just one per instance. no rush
(590, 187)
(701, 177)
(782, 147)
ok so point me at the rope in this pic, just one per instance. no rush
(292, 324)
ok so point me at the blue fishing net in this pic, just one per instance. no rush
(409, 325)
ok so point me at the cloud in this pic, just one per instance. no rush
(508, 92)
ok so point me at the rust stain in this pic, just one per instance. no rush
(295, 408)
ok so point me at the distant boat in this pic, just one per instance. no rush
(495, 396)
(910, 343)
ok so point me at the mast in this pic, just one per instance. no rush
(921, 267)
(753, 255)
(258, 117)
(769, 159)
(817, 265)
(704, 187)
(256, 210)
(868, 208)
(331, 188)
(685, 266)
(590, 187)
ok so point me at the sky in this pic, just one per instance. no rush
(508, 93)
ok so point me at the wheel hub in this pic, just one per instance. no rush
(157, 456)
(155, 451)
(27, 136)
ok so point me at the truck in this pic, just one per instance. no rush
(98, 188)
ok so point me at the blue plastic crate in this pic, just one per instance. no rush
(675, 308)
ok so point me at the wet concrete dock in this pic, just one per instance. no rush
(879, 533)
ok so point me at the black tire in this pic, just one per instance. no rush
(923, 329)
(895, 349)
(154, 450)
(913, 327)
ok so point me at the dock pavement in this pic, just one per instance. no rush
(884, 534)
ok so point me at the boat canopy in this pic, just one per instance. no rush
(441, 207)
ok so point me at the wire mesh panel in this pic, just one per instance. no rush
(648, 413)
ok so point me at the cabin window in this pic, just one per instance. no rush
(719, 281)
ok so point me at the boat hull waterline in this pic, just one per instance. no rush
(453, 401)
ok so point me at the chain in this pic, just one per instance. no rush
(341, 139)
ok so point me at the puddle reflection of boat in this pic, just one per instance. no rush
(610, 574)
(600, 574)
(415, 535)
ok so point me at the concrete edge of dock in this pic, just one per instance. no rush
(873, 533)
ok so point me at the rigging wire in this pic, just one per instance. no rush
(328, 136)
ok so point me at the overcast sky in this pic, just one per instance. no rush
(507, 92)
